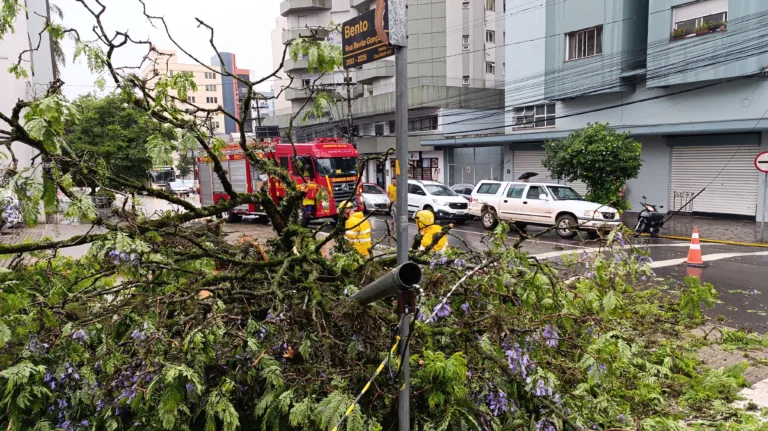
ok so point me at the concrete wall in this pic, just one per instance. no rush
(654, 177)
(742, 45)
(456, 121)
(427, 41)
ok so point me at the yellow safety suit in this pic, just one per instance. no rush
(425, 221)
(392, 192)
(358, 233)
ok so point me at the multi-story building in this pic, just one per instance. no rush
(687, 79)
(39, 64)
(455, 73)
(213, 88)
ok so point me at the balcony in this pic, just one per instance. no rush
(296, 66)
(292, 94)
(360, 5)
(293, 34)
(292, 6)
(376, 70)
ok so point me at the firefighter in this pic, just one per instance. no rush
(310, 194)
(358, 228)
(425, 221)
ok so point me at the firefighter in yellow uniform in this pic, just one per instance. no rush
(358, 231)
(310, 190)
(425, 221)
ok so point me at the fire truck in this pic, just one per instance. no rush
(326, 167)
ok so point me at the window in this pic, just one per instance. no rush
(563, 193)
(490, 67)
(534, 116)
(378, 129)
(534, 192)
(489, 188)
(302, 166)
(214, 125)
(392, 127)
(284, 163)
(211, 100)
(210, 88)
(490, 5)
(416, 190)
(465, 81)
(170, 73)
(210, 75)
(191, 99)
(584, 43)
(515, 192)
(490, 36)
(465, 42)
(306, 82)
(688, 17)
(423, 124)
(465, 4)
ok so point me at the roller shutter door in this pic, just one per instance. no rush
(206, 184)
(530, 161)
(734, 191)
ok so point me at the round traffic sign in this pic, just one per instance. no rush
(761, 162)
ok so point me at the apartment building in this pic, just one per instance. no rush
(687, 79)
(455, 72)
(213, 88)
(40, 66)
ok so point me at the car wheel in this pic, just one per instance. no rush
(520, 225)
(233, 218)
(489, 219)
(566, 226)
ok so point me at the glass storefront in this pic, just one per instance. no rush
(471, 165)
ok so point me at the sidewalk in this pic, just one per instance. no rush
(718, 229)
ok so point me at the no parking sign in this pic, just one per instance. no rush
(761, 162)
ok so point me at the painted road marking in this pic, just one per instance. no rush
(707, 258)
(593, 250)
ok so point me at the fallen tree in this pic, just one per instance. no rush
(164, 325)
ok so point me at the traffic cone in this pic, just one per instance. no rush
(694, 253)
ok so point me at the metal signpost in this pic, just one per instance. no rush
(761, 163)
(372, 36)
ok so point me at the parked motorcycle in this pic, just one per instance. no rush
(650, 220)
(10, 211)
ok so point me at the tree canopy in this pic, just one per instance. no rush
(600, 157)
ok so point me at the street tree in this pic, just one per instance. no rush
(599, 156)
(166, 325)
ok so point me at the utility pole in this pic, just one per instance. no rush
(349, 110)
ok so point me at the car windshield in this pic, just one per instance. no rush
(563, 193)
(341, 166)
(372, 190)
(162, 176)
(439, 190)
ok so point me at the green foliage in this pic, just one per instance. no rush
(119, 139)
(694, 295)
(8, 12)
(600, 157)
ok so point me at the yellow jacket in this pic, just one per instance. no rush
(428, 233)
(392, 192)
(358, 233)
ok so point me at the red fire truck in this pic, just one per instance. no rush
(329, 168)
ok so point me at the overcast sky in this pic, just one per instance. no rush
(242, 27)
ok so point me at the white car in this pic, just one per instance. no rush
(438, 198)
(540, 204)
(375, 199)
(179, 188)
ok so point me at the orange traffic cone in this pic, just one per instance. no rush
(694, 253)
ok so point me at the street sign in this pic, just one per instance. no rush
(761, 162)
(360, 43)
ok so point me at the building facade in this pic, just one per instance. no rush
(455, 73)
(687, 79)
(39, 64)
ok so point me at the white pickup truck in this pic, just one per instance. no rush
(540, 204)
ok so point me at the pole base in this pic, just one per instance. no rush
(696, 265)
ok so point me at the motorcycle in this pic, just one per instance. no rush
(10, 211)
(650, 220)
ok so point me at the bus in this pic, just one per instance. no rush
(161, 177)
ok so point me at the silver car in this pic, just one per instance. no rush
(375, 199)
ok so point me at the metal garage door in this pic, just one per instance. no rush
(530, 161)
(734, 191)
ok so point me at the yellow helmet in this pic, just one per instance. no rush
(346, 204)
(424, 218)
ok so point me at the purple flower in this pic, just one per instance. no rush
(542, 389)
(138, 335)
(191, 388)
(62, 404)
(620, 236)
(438, 261)
(550, 336)
(644, 259)
(465, 307)
(498, 403)
(80, 336)
(518, 360)
(459, 263)
(545, 425)
(85, 422)
(37, 347)
(441, 310)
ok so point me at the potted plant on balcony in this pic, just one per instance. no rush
(680, 33)
(716, 26)
(702, 29)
